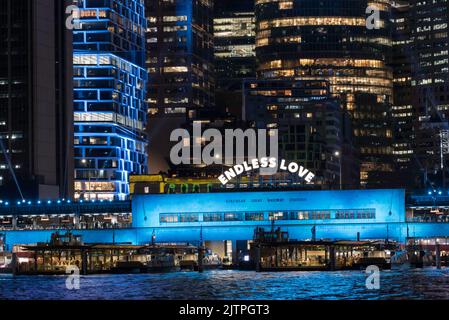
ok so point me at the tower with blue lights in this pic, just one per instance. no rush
(109, 97)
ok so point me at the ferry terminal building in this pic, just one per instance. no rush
(226, 220)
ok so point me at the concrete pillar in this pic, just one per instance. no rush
(437, 256)
(14, 264)
(83, 262)
(200, 258)
(35, 260)
(257, 257)
(332, 258)
(276, 257)
(76, 221)
(235, 258)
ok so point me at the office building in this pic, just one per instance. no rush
(35, 100)
(313, 128)
(402, 109)
(313, 40)
(235, 55)
(430, 88)
(179, 61)
(109, 98)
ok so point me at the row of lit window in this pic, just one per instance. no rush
(334, 62)
(102, 59)
(315, 21)
(94, 186)
(263, 216)
(264, 40)
(108, 117)
(384, 4)
(373, 133)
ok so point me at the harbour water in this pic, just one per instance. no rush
(428, 283)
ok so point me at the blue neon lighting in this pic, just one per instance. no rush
(109, 99)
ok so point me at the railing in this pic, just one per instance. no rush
(433, 219)
(81, 226)
(65, 208)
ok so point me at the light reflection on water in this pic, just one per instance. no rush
(427, 283)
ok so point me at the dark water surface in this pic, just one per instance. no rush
(428, 283)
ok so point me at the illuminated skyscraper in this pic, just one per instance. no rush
(328, 39)
(180, 65)
(35, 100)
(430, 88)
(109, 97)
(313, 128)
(235, 56)
(402, 109)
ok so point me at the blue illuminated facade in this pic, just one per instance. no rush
(232, 217)
(235, 215)
(109, 97)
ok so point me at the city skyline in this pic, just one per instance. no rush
(224, 150)
(188, 61)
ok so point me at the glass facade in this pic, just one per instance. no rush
(234, 53)
(109, 98)
(179, 57)
(234, 42)
(402, 106)
(330, 40)
(312, 126)
(429, 43)
(268, 216)
(15, 89)
(35, 100)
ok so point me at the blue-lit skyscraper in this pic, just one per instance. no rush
(109, 97)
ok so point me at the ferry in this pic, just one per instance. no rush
(69, 250)
(274, 251)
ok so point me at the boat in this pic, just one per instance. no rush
(399, 259)
(5, 262)
(68, 249)
(420, 259)
(362, 263)
(419, 255)
(128, 267)
(211, 261)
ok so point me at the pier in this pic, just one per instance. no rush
(69, 250)
(319, 255)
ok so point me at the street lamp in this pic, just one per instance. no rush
(337, 154)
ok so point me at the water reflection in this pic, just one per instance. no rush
(410, 284)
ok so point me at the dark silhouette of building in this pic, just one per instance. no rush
(235, 56)
(313, 128)
(407, 164)
(181, 71)
(429, 43)
(35, 100)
